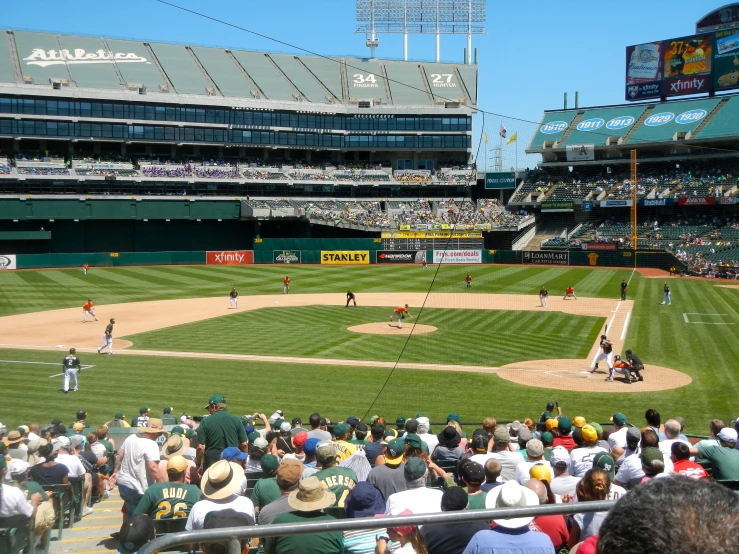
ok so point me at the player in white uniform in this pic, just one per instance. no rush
(606, 353)
(233, 298)
(581, 459)
(108, 337)
(72, 366)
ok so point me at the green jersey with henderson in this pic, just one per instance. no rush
(339, 480)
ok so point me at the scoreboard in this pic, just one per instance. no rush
(432, 240)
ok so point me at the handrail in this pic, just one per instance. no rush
(234, 534)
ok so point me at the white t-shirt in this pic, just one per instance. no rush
(523, 470)
(628, 453)
(14, 503)
(418, 501)
(431, 440)
(618, 438)
(509, 462)
(76, 469)
(137, 451)
(631, 470)
(481, 458)
(665, 446)
(582, 459)
(203, 507)
(615, 493)
(565, 484)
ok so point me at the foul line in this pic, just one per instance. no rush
(42, 363)
(626, 326)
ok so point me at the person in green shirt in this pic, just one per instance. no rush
(308, 502)
(266, 489)
(339, 480)
(172, 500)
(473, 475)
(360, 435)
(723, 455)
(44, 515)
(218, 431)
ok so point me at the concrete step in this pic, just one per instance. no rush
(92, 534)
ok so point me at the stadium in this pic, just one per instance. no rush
(211, 207)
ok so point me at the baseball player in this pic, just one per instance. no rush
(88, 308)
(233, 299)
(350, 298)
(624, 286)
(424, 265)
(72, 366)
(85, 268)
(606, 353)
(636, 364)
(543, 298)
(286, 285)
(667, 298)
(570, 291)
(401, 313)
(468, 280)
(108, 337)
(624, 367)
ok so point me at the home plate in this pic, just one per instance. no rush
(586, 373)
(60, 346)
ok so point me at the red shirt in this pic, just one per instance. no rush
(401, 310)
(555, 528)
(286, 280)
(567, 441)
(690, 469)
(468, 278)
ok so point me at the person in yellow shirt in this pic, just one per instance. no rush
(342, 436)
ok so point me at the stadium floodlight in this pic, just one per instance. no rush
(439, 17)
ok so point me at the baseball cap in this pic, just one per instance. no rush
(633, 434)
(78, 426)
(390, 434)
(260, 443)
(252, 436)
(285, 427)
(727, 434)
(415, 468)
(454, 499)
(547, 438)
(589, 434)
(514, 428)
(178, 430)
(524, 434)
(136, 532)
(216, 399)
(18, 467)
(413, 440)
(400, 422)
(473, 472)
(619, 418)
(62, 441)
(167, 410)
(605, 461)
(77, 441)
(297, 421)
(394, 452)
(423, 422)
(310, 446)
(453, 417)
(552, 424)
(269, 463)
(501, 435)
(289, 473)
(325, 451)
(143, 410)
(340, 430)
(534, 448)
(651, 454)
(81, 414)
(598, 429)
(579, 421)
(233, 454)
(560, 457)
(300, 439)
(565, 425)
(541, 472)
(352, 421)
(119, 415)
(176, 464)
(550, 406)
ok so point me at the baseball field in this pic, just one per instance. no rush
(487, 350)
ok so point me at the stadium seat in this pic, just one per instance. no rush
(64, 506)
(16, 535)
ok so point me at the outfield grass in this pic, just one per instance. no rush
(657, 333)
(321, 332)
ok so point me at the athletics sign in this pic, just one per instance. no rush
(542, 257)
(45, 58)
(7, 261)
(286, 256)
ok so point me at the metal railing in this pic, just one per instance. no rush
(236, 534)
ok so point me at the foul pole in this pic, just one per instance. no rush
(634, 196)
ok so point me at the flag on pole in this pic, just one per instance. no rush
(514, 138)
(485, 138)
(503, 130)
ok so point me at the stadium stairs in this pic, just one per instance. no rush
(569, 130)
(637, 125)
(92, 534)
(544, 231)
(709, 117)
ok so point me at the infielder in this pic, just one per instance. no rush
(286, 285)
(72, 366)
(233, 299)
(606, 353)
(570, 291)
(88, 308)
(108, 337)
(424, 265)
(350, 298)
(543, 298)
(667, 297)
(401, 313)
(468, 280)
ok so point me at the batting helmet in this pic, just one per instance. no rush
(112, 320)
(81, 414)
(72, 350)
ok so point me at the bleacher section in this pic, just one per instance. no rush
(724, 125)
(666, 119)
(181, 69)
(221, 67)
(552, 128)
(597, 126)
(259, 67)
(308, 86)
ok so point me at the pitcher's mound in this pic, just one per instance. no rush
(392, 329)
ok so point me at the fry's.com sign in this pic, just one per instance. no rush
(230, 257)
(457, 256)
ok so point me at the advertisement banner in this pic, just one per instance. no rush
(726, 60)
(286, 256)
(696, 201)
(506, 180)
(728, 200)
(542, 257)
(580, 152)
(686, 63)
(601, 246)
(643, 71)
(615, 203)
(7, 261)
(431, 234)
(400, 256)
(230, 257)
(457, 256)
(557, 206)
(345, 257)
(646, 202)
(587, 206)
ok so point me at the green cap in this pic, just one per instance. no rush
(619, 418)
(550, 406)
(565, 425)
(254, 435)
(120, 415)
(419, 414)
(605, 461)
(143, 409)
(373, 419)
(400, 421)
(651, 454)
(415, 468)
(547, 438)
(453, 417)
(390, 433)
(340, 430)
(189, 433)
(413, 440)
(597, 427)
(395, 450)
(178, 430)
(270, 463)
(215, 399)
(277, 424)
(168, 409)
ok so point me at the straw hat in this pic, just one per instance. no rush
(310, 496)
(175, 445)
(153, 426)
(221, 480)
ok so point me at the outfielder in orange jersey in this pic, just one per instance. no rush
(286, 285)
(88, 309)
(570, 291)
(468, 280)
(401, 313)
(85, 268)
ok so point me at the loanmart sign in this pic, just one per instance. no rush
(46, 58)
(542, 257)
(505, 180)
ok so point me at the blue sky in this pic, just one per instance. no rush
(534, 50)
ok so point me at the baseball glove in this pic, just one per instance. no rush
(402, 316)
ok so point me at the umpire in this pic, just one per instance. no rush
(218, 431)
(636, 364)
